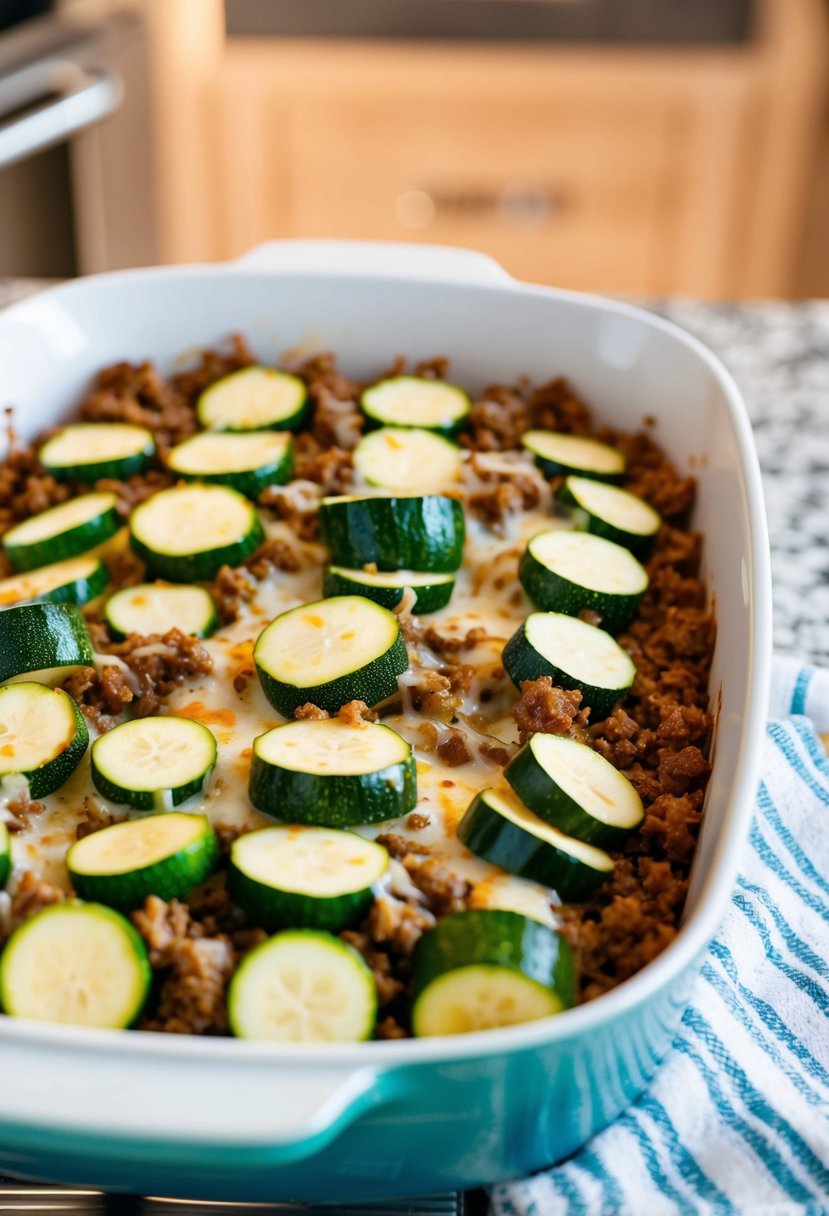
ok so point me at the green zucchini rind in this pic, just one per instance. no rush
(88, 451)
(615, 514)
(72, 528)
(415, 532)
(559, 455)
(154, 763)
(387, 587)
(486, 968)
(43, 642)
(333, 774)
(330, 652)
(247, 461)
(186, 534)
(574, 572)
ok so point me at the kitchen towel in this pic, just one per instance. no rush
(737, 1118)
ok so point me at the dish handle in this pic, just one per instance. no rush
(376, 258)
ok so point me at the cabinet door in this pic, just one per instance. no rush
(560, 189)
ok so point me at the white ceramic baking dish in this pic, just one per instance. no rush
(246, 1121)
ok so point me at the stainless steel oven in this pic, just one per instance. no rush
(76, 167)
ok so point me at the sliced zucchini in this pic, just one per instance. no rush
(77, 964)
(249, 461)
(500, 829)
(574, 655)
(571, 572)
(76, 581)
(164, 855)
(485, 968)
(304, 877)
(407, 401)
(575, 789)
(43, 642)
(333, 774)
(387, 587)
(612, 513)
(5, 855)
(557, 455)
(157, 607)
(254, 399)
(303, 986)
(187, 533)
(65, 531)
(416, 532)
(408, 460)
(86, 451)
(153, 764)
(330, 652)
(43, 736)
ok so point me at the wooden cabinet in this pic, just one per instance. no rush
(682, 171)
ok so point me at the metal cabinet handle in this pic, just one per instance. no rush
(84, 97)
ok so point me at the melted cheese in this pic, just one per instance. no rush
(231, 703)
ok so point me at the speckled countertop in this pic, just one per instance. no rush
(779, 355)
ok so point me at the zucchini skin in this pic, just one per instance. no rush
(430, 598)
(249, 482)
(496, 938)
(272, 909)
(554, 593)
(37, 637)
(71, 543)
(522, 662)
(203, 565)
(505, 844)
(639, 544)
(333, 801)
(539, 791)
(118, 467)
(170, 878)
(74, 591)
(51, 776)
(372, 683)
(5, 856)
(425, 532)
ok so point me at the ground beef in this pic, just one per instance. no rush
(101, 694)
(331, 468)
(446, 644)
(498, 420)
(553, 711)
(357, 713)
(300, 511)
(231, 588)
(445, 892)
(389, 985)
(158, 662)
(21, 809)
(214, 365)
(310, 713)
(432, 695)
(26, 488)
(454, 748)
(30, 895)
(507, 496)
(136, 393)
(96, 817)
(273, 555)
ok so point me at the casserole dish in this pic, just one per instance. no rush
(247, 1121)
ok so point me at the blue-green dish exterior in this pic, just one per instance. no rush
(509, 1113)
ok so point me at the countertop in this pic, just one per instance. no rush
(778, 352)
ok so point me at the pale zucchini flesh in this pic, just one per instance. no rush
(249, 461)
(303, 986)
(558, 453)
(574, 572)
(188, 532)
(150, 608)
(253, 399)
(387, 587)
(72, 528)
(75, 581)
(78, 965)
(91, 450)
(408, 461)
(153, 763)
(481, 997)
(416, 401)
(615, 514)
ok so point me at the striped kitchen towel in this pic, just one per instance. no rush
(737, 1118)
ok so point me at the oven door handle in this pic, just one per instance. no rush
(84, 97)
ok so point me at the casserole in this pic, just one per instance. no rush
(249, 1121)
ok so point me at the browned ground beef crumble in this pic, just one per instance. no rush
(659, 737)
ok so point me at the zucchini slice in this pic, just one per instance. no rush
(500, 829)
(303, 986)
(86, 451)
(333, 774)
(76, 581)
(557, 455)
(248, 461)
(387, 587)
(43, 642)
(74, 527)
(485, 968)
(330, 652)
(153, 764)
(574, 655)
(43, 736)
(156, 607)
(304, 877)
(612, 513)
(570, 572)
(5, 855)
(575, 789)
(164, 855)
(254, 399)
(77, 964)
(415, 532)
(416, 401)
(187, 533)
(408, 460)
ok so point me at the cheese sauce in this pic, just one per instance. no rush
(231, 703)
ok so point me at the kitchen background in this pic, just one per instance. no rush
(644, 147)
